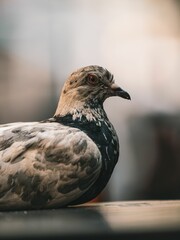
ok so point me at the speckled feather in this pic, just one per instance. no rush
(67, 159)
(45, 164)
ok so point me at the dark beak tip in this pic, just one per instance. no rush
(117, 91)
(125, 95)
(128, 97)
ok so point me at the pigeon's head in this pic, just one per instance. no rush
(93, 83)
(89, 85)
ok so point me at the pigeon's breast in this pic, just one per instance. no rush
(104, 136)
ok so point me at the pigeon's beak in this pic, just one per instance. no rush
(117, 91)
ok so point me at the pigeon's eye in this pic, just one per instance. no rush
(92, 79)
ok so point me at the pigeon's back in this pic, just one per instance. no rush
(45, 165)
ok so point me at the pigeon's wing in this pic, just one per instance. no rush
(45, 165)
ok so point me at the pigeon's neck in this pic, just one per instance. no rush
(90, 112)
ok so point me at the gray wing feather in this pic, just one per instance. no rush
(45, 165)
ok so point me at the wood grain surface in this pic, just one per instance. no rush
(110, 220)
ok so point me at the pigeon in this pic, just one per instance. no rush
(67, 159)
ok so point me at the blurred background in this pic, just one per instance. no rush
(42, 42)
